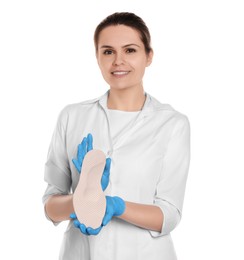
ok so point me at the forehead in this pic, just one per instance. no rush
(115, 35)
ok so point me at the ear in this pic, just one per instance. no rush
(149, 58)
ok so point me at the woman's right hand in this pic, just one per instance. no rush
(83, 229)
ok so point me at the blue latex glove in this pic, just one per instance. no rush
(83, 229)
(83, 148)
(106, 174)
(115, 206)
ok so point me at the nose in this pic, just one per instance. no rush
(118, 59)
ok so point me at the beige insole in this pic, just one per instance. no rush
(88, 199)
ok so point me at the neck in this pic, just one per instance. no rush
(126, 99)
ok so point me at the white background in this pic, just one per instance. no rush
(47, 61)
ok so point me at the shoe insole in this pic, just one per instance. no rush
(88, 199)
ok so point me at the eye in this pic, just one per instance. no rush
(130, 50)
(108, 52)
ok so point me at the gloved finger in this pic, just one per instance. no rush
(82, 148)
(76, 223)
(106, 171)
(73, 215)
(83, 229)
(92, 231)
(107, 218)
(107, 165)
(109, 212)
(106, 174)
(80, 155)
(89, 142)
(77, 165)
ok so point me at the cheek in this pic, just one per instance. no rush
(103, 66)
(139, 63)
(140, 68)
(105, 71)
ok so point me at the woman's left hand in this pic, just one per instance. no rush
(83, 148)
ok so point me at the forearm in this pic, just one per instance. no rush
(145, 216)
(59, 207)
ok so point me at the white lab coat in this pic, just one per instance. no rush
(150, 161)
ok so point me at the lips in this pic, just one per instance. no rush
(120, 73)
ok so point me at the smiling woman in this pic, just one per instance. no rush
(148, 152)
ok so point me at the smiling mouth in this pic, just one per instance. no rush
(120, 73)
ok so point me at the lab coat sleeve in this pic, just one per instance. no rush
(171, 186)
(57, 170)
(50, 191)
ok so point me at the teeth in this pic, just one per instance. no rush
(120, 72)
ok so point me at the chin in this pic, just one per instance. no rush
(120, 87)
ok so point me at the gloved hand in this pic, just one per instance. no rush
(83, 148)
(115, 207)
(85, 230)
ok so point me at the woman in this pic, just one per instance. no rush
(148, 148)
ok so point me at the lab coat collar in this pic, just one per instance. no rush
(150, 105)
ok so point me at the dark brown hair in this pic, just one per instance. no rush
(127, 19)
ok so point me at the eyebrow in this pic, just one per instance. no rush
(125, 46)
